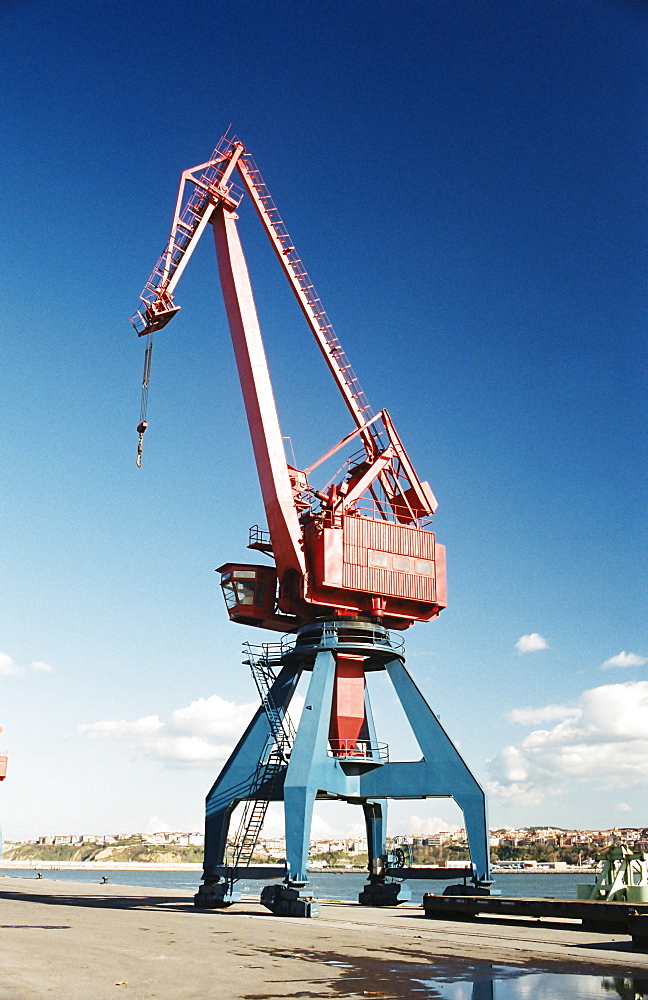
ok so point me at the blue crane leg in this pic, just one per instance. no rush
(236, 780)
(369, 732)
(452, 775)
(309, 767)
(375, 814)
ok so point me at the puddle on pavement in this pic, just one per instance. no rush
(505, 983)
(478, 981)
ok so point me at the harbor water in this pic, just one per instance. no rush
(325, 885)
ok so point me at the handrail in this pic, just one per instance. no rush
(308, 299)
(359, 750)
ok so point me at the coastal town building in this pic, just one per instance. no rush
(552, 837)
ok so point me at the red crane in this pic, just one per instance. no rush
(362, 545)
(354, 553)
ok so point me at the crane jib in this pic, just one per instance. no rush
(310, 526)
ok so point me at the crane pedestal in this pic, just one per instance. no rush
(310, 765)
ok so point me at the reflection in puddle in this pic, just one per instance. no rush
(476, 981)
(374, 974)
(497, 982)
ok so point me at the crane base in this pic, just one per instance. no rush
(272, 764)
(216, 896)
(384, 894)
(288, 901)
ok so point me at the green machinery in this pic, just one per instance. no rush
(624, 877)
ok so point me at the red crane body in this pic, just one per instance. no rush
(359, 548)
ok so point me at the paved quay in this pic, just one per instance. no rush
(75, 941)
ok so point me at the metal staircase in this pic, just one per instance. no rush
(305, 290)
(274, 759)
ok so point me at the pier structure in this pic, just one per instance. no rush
(107, 940)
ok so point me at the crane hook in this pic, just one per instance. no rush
(141, 427)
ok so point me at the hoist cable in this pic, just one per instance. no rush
(145, 377)
(141, 427)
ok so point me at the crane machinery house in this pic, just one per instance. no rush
(351, 561)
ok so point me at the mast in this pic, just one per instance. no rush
(258, 396)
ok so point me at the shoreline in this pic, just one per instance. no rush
(81, 866)
(196, 866)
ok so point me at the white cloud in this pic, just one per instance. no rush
(8, 666)
(40, 665)
(603, 738)
(531, 643)
(534, 716)
(421, 826)
(321, 827)
(202, 732)
(624, 659)
(157, 825)
(623, 807)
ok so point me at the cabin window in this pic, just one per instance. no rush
(244, 584)
(246, 588)
(229, 593)
(239, 586)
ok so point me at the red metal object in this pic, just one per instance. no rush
(250, 595)
(348, 707)
(3, 766)
(360, 545)
(267, 441)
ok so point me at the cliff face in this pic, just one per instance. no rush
(97, 852)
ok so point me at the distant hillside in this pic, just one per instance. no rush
(136, 851)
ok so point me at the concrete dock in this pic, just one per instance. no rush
(79, 941)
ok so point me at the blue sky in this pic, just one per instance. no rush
(466, 183)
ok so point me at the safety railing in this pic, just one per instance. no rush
(345, 633)
(259, 538)
(359, 750)
(270, 652)
(374, 510)
(295, 264)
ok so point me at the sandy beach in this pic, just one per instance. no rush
(73, 941)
